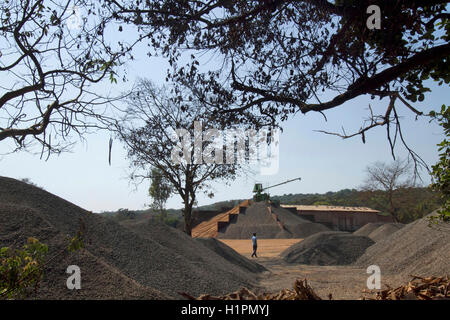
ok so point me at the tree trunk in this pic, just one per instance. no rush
(162, 214)
(187, 218)
(392, 209)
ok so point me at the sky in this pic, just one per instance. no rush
(324, 162)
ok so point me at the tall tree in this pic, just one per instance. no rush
(389, 178)
(148, 131)
(279, 57)
(53, 56)
(160, 191)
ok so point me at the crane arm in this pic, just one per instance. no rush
(279, 184)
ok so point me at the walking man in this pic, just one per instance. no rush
(255, 245)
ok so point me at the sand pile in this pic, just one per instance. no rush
(414, 249)
(368, 228)
(117, 262)
(269, 222)
(384, 231)
(327, 248)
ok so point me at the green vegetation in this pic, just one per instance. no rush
(441, 170)
(389, 178)
(21, 270)
(160, 192)
(77, 242)
(221, 205)
(123, 214)
(172, 221)
(28, 181)
(172, 217)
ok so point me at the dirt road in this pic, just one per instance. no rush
(342, 282)
(267, 248)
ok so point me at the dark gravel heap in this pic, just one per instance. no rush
(258, 219)
(327, 249)
(117, 262)
(100, 280)
(208, 251)
(368, 228)
(297, 226)
(415, 249)
(231, 255)
(384, 231)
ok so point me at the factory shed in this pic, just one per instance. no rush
(339, 218)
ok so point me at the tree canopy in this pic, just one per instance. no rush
(53, 56)
(390, 178)
(149, 132)
(280, 57)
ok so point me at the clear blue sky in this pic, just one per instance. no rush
(325, 163)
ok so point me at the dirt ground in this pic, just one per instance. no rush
(342, 282)
(267, 248)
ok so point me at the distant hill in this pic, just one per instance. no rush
(124, 214)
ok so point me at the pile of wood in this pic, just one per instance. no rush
(301, 291)
(419, 288)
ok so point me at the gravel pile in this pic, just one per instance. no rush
(230, 255)
(99, 279)
(297, 226)
(218, 254)
(368, 228)
(384, 231)
(327, 249)
(258, 219)
(415, 249)
(117, 262)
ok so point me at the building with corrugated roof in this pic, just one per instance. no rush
(339, 218)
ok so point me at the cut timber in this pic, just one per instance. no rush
(301, 291)
(210, 228)
(419, 288)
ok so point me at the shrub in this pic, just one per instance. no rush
(21, 270)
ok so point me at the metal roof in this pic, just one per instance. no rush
(329, 208)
